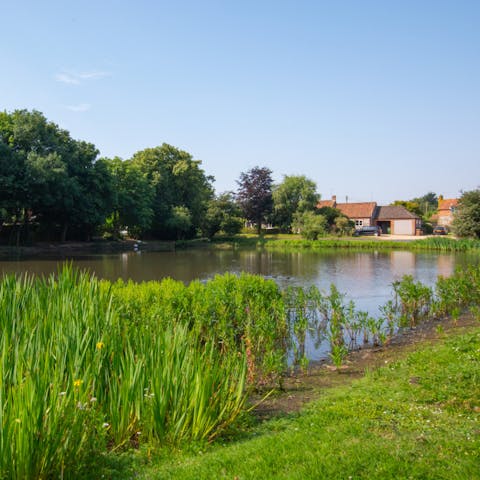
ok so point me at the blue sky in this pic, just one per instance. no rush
(377, 100)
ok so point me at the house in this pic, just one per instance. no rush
(397, 220)
(362, 213)
(393, 219)
(446, 210)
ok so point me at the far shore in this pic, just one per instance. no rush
(99, 246)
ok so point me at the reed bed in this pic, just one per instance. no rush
(78, 380)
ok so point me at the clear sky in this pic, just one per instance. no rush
(377, 100)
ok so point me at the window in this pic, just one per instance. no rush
(358, 223)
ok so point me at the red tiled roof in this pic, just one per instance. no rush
(326, 203)
(447, 203)
(357, 210)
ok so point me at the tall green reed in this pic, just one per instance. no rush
(76, 378)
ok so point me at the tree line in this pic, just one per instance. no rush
(53, 187)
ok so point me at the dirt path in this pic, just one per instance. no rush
(301, 388)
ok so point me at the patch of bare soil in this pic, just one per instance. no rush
(303, 387)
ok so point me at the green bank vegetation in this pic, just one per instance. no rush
(416, 418)
(91, 369)
(286, 242)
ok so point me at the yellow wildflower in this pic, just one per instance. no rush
(100, 345)
(77, 383)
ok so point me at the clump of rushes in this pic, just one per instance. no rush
(414, 299)
(76, 379)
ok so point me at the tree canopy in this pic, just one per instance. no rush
(296, 194)
(181, 190)
(50, 176)
(56, 183)
(223, 215)
(466, 222)
(255, 195)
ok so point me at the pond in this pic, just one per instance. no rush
(365, 277)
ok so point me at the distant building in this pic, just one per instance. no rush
(361, 213)
(446, 210)
(396, 219)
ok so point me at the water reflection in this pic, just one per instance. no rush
(365, 277)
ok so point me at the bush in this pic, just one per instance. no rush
(310, 225)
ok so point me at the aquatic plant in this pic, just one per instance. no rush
(414, 300)
(76, 379)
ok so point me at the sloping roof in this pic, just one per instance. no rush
(326, 203)
(394, 212)
(447, 203)
(357, 210)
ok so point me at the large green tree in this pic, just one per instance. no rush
(223, 214)
(255, 195)
(466, 222)
(296, 194)
(134, 196)
(50, 177)
(182, 190)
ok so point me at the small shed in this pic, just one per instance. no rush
(397, 220)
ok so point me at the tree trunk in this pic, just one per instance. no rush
(63, 236)
(19, 230)
(259, 226)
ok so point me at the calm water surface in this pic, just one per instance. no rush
(365, 277)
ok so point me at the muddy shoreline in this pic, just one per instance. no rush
(301, 388)
(49, 249)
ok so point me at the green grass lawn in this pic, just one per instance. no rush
(416, 418)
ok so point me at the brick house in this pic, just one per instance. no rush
(362, 213)
(446, 210)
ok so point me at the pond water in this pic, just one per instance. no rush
(365, 277)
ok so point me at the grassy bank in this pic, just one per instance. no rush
(295, 243)
(416, 418)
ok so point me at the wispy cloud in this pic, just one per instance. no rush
(81, 107)
(67, 78)
(76, 78)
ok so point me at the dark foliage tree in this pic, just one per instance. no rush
(255, 195)
(466, 221)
